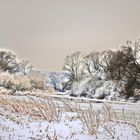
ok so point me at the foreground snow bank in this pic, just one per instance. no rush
(66, 129)
(71, 126)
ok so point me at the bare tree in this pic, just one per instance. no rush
(98, 62)
(24, 67)
(73, 68)
(91, 63)
(124, 66)
(105, 59)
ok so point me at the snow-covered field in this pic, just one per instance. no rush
(47, 118)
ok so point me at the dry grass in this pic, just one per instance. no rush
(70, 106)
(48, 109)
(108, 112)
(90, 120)
(38, 109)
(109, 130)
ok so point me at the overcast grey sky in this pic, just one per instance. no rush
(45, 31)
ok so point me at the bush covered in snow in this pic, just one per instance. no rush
(15, 82)
(109, 90)
(97, 89)
(37, 79)
(86, 88)
(20, 82)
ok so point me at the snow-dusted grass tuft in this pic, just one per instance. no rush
(90, 120)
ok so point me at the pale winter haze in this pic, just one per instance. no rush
(45, 31)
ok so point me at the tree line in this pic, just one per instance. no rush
(119, 65)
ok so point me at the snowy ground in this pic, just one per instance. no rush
(22, 118)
